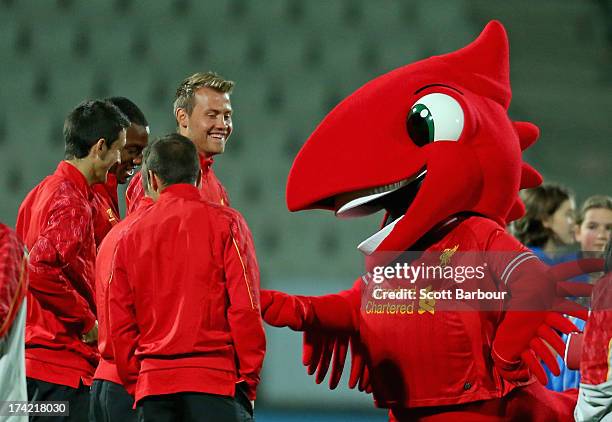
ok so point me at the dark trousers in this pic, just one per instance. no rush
(245, 409)
(188, 407)
(77, 398)
(110, 402)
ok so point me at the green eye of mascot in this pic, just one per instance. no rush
(432, 145)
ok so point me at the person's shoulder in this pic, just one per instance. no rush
(226, 219)
(9, 241)
(58, 193)
(65, 193)
(7, 235)
(223, 211)
(5, 231)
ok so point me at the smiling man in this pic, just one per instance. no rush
(203, 112)
(106, 202)
(55, 223)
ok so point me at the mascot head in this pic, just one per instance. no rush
(424, 142)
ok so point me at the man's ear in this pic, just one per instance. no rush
(98, 149)
(182, 118)
(154, 182)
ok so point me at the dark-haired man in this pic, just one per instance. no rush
(55, 223)
(203, 112)
(184, 299)
(105, 201)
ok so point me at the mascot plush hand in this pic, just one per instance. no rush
(431, 145)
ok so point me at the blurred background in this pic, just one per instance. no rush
(292, 61)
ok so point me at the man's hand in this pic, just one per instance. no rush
(92, 335)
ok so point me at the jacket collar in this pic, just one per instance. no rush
(205, 163)
(70, 172)
(180, 190)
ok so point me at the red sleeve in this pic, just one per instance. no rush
(122, 320)
(519, 271)
(532, 293)
(244, 317)
(55, 254)
(13, 277)
(134, 193)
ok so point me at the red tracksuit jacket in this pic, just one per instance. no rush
(211, 188)
(13, 277)
(184, 300)
(107, 369)
(55, 222)
(596, 360)
(105, 207)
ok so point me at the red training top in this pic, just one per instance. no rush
(596, 360)
(13, 277)
(104, 264)
(55, 222)
(184, 300)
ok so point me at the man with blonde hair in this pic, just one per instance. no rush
(203, 113)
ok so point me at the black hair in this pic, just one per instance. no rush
(131, 110)
(173, 158)
(89, 122)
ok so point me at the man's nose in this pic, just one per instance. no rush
(221, 122)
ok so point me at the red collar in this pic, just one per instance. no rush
(180, 190)
(70, 172)
(205, 163)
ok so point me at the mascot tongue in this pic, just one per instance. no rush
(363, 144)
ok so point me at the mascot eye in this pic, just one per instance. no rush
(435, 117)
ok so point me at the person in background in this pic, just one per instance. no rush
(55, 223)
(595, 394)
(203, 113)
(592, 231)
(106, 202)
(13, 285)
(594, 224)
(548, 230)
(548, 225)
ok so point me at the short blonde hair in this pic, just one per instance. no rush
(185, 93)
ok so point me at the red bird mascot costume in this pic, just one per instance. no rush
(431, 143)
